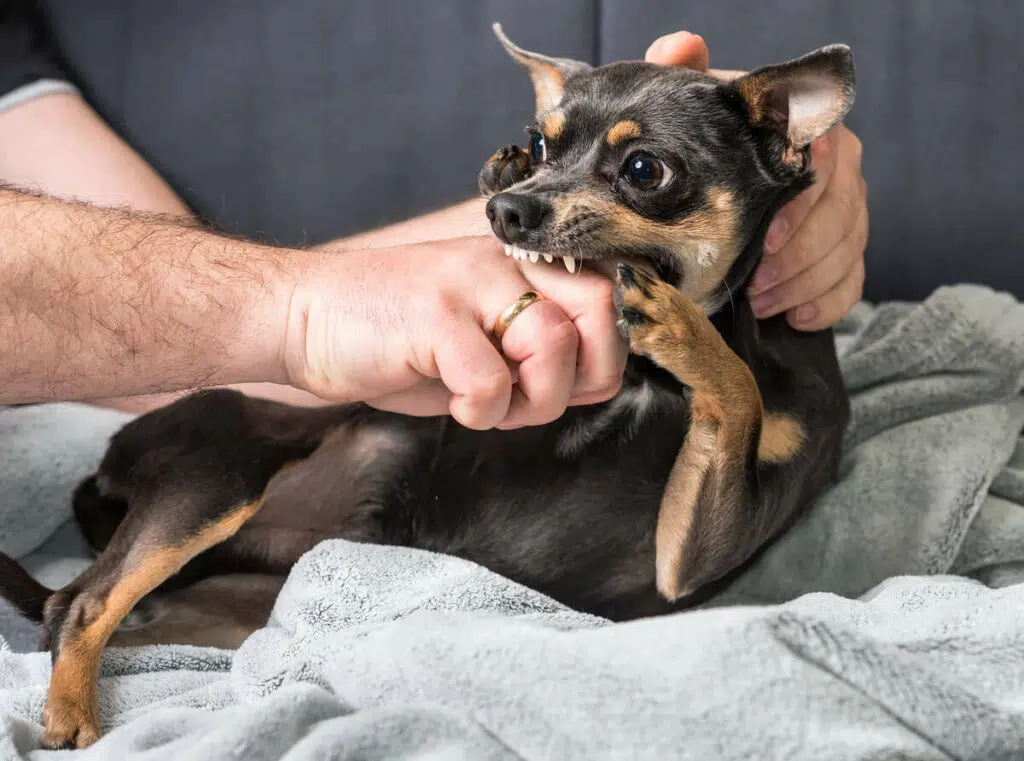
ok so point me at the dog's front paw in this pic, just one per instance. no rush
(654, 317)
(504, 169)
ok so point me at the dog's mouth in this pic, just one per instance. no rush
(663, 264)
(572, 263)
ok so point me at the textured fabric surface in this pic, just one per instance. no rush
(384, 652)
(305, 120)
(45, 451)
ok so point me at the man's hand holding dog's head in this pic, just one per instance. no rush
(813, 268)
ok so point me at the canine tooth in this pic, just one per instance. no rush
(508, 249)
(570, 263)
(548, 258)
(534, 256)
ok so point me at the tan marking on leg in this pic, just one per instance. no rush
(552, 125)
(725, 411)
(72, 707)
(682, 493)
(781, 438)
(622, 131)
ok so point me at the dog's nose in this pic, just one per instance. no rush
(513, 215)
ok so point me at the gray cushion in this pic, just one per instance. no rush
(300, 121)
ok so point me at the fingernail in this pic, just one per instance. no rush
(776, 234)
(763, 303)
(806, 313)
(766, 276)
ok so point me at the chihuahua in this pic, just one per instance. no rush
(723, 433)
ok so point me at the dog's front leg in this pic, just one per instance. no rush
(710, 519)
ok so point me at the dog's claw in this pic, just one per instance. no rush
(632, 317)
(630, 277)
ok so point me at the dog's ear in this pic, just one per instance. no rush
(801, 99)
(549, 75)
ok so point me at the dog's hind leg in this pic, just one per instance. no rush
(97, 515)
(142, 554)
(190, 475)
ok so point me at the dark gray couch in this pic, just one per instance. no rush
(303, 120)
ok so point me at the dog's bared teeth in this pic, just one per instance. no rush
(570, 263)
(534, 256)
(508, 249)
(516, 253)
(548, 258)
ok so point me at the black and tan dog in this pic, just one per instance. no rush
(725, 430)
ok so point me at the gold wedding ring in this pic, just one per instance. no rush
(513, 311)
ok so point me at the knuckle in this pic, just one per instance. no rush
(856, 147)
(609, 390)
(561, 334)
(490, 384)
(796, 257)
(443, 307)
(604, 388)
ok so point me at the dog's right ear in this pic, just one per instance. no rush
(549, 75)
(801, 99)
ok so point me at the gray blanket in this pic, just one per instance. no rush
(888, 624)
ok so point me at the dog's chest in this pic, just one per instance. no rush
(622, 418)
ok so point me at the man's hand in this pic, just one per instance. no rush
(813, 268)
(409, 329)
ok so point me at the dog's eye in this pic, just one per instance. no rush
(647, 172)
(538, 148)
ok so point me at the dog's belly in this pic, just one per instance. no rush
(580, 529)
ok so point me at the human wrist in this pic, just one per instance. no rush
(258, 343)
(312, 292)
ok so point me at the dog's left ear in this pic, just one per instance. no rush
(801, 99)
(549, 75)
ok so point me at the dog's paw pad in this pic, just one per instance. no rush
(649, 310)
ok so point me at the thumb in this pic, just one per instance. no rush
(680, 49)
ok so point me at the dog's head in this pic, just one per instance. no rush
(635, 160)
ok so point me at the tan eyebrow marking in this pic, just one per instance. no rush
(623, 130)
(553, 125)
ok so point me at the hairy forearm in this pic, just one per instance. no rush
(58, 145)
(99, 302)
